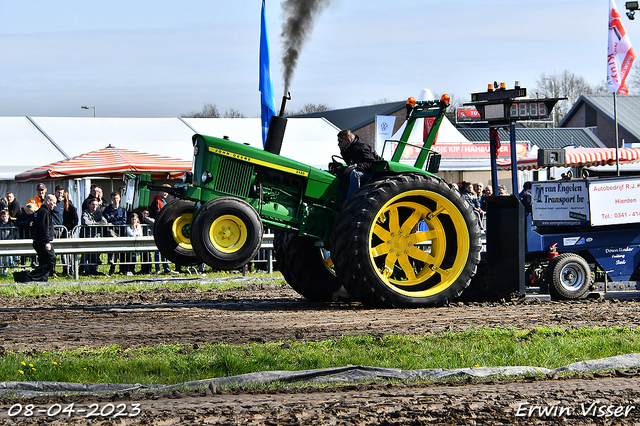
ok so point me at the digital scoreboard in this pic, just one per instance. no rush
(516, 109)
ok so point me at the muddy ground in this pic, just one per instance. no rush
(263, 312)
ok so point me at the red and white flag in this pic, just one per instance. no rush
(620, 55)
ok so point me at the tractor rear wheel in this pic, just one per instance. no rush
(310, 269)
(568, 276)
(171, 233)
(280, 242)
(226, 233)
(406, 241)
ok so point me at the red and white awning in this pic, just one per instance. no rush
(112, 162)
(580, 157)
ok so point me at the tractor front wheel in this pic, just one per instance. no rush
(226, 233)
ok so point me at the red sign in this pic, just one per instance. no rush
(467, 150)
(468, 115)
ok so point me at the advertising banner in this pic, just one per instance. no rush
(615, 202)
(561, 202)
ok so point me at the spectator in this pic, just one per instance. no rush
(478, 188)
(94, 192)
(133, 230)
(488, 192)
(525, 197)
(6, 233)
(43, 236)
(69, 222)
(24, 222)
(12, 205)
(69, 211)
(502, 190)
(469, 194)
(92, 218)
(39, 198)
(147, 230)
(159, 201)
(57, 215)
(117, 217)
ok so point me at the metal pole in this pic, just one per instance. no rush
(615, 119)
(494, 165)
(514, 157)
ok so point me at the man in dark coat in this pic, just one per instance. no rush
(43, 235)
(359, 157)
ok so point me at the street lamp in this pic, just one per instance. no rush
(87, 107)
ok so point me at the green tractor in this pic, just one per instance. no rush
(406, 238)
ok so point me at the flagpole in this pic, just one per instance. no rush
(615, 119)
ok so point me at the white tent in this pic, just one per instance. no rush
(29, 142)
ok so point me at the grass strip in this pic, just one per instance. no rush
(170, 364)
(218, 281)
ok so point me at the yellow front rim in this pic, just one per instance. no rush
(419, 243)
(228, 233)
(180, 230)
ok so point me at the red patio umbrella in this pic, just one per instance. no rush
(112, 162)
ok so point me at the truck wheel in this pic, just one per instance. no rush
(310, 269)
(407, 241)
(226, 233)
(171, 233)
(568, 276)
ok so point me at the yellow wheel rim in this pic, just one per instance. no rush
(228, 233)
(180, 230)
(419, 243)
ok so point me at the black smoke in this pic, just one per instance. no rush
(297, 25)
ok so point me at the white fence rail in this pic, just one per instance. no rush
(80, 246)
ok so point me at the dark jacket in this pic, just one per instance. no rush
(14, 209)
(23, 222)
(70, 217)
(361, 154)
(43, 225)
(115, 216)
(156, 205)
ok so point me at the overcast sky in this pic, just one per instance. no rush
(161, 58)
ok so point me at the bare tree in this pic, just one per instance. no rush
(566, 84)
(232, 113)
(307, 108)
(633, 81)
(207, 111)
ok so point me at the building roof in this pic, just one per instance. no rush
(628, 110)
(540, 137)
(356, 117)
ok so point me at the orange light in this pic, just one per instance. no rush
(411, 101)
(446, 99)
(503, 86)
(490, 87)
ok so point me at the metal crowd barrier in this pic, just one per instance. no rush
(78, 246)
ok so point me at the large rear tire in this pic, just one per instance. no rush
(171, 233)
(310, 269)
(280, 242)
(226, 233)
(406, 241)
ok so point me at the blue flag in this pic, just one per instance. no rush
(267, 99)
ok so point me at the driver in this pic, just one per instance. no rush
(359, 156)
